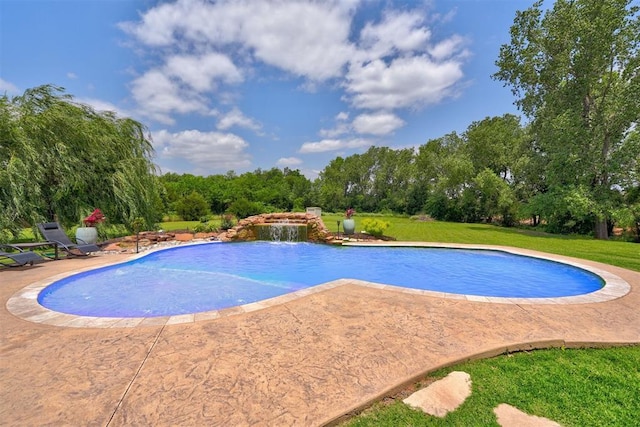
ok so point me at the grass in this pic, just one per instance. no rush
(178, 225)
(621, 254)
(591, 387)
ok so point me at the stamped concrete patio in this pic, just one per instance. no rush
(304, 361)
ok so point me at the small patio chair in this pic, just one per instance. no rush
(53, 232)
(19, 258)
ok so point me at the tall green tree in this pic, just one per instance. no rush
(493, 143)
(379, 179)
(443, 170)
(334, 185)
(427, 171)
(392, 176)
(61, 159)
(575, 72)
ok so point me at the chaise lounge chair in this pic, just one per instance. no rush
(53, 232)
(19, 258)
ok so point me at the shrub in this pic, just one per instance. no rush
(171, 217)
(137, 225)
(243, 208)
(375, 227)
(192, 207)
(204, 227)
(226, 222)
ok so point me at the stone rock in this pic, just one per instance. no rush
(203, 235)
(316, 231)
(112, 247)
(184, 237)
(508, 416)
(442, 396)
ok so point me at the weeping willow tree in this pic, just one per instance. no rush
(60, 159)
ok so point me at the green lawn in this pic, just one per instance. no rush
(178, 225)
(592, 387)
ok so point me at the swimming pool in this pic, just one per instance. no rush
(214, 276)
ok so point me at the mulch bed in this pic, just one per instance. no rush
(363, 236)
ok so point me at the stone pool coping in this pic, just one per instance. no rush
(24, 304)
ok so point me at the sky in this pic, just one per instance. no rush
(245, 84)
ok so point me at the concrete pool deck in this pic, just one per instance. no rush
(303, 361)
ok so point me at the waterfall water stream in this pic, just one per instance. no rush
(282, 232)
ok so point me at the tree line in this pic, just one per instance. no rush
(574, 166)
(492, 172)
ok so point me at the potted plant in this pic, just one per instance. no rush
(89, 233)
(349, 224)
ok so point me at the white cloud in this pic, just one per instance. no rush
(340, 129)
(308, 39)
(377, 124)
(342, 116)
(181, 84)
(236, 118)
(200, 72)
(405, 82)
(100, 105)
(289, 161)
(333, 145)
(159, 96)
(72, 75)
(206, 150)
(447, 17)
(156, 28)
(398, 32)
(398, 65)
(451, 47)
(8, 87)
(203, 46)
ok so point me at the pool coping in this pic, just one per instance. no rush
(24, 303)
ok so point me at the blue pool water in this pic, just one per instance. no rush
(191, 279)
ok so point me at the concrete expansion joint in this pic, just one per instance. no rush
(135, 376)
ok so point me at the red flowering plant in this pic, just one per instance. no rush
(349, 213)
(94, 218)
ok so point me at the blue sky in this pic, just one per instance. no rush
(246, 84)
